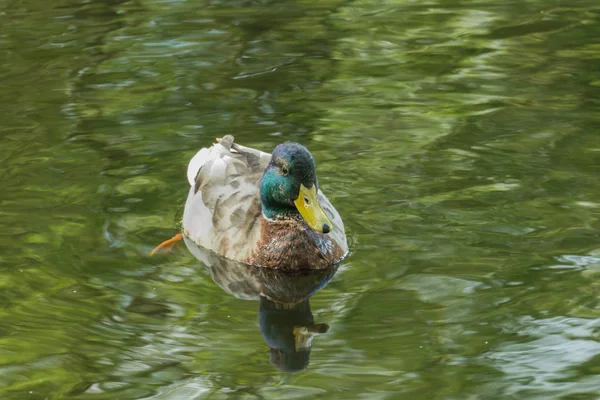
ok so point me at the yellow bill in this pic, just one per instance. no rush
(311, 210)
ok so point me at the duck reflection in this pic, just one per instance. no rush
(288, 330)
(284, 315)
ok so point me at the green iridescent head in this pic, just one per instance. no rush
(289, 187)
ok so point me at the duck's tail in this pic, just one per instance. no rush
(227, 142)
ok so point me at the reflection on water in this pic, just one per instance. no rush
(285, 319)
(288, 330)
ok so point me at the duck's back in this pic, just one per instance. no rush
(223, 208)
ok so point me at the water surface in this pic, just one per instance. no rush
(457, 139)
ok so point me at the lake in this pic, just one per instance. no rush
(459, 141)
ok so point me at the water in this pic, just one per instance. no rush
(458, 140)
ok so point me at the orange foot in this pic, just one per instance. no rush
(167, 245)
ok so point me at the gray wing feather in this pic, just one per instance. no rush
(224, 201)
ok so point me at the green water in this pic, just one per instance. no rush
(459, 140)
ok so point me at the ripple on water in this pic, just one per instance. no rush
(548, 358)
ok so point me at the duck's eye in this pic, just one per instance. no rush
(285, 171)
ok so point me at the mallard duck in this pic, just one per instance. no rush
(262, 209)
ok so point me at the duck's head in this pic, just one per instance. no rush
(289, 187)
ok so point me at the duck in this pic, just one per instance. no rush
(261, 209)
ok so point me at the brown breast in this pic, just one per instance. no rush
(291, 244)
